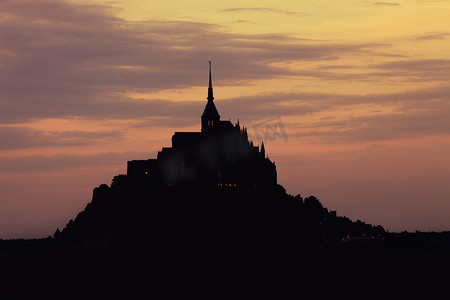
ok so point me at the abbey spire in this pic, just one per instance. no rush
(263, 150)
(210, 116)
(210, 89)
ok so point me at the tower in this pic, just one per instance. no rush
(221, 155)
(210, 116)
(263, 150)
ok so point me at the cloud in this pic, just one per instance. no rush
(41, 163)
(386, 3)
(415, 70)
(378, 127)
(415, 113)
(80, 60)
(432, 36)
(265, 10)
(304, 103)
(418, 65)
(23, 137)
(404, 69)
(251, 109)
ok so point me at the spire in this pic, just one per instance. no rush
(210, 89)
(263, 150)
(210, 111)
(210, 116)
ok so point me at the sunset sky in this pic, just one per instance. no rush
(362, 89)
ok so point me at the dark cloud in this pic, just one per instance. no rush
(81, 61)
(64, 60)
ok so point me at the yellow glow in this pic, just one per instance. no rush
(323, 19)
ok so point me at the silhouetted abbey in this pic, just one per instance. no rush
(213, 195)
(219, 155)
(154, 232)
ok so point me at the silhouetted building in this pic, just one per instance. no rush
(219, 155)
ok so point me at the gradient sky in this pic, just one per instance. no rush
(362, 89)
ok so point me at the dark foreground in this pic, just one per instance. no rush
(401, 266)
(159, 243)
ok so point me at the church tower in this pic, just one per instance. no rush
(221, 155)
(210, 116)
(263, 150)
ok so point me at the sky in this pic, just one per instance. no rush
(351, 98)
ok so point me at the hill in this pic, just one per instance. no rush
(219, 222)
